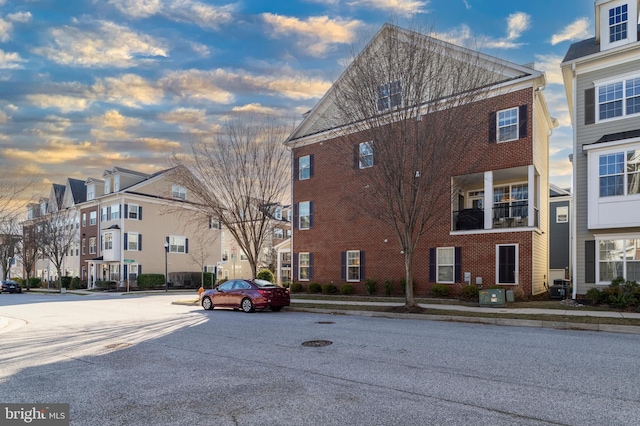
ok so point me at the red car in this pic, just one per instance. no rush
(247, 295)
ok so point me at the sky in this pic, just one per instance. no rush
(88, 85)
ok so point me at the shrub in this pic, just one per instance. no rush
(150, 280)
(106, 285)
(440, 290)
(370, 285)
(296, 288)
(286, 284)
(76, 283)
(329, 289)
(315, 288)
(595, 296)
(208, 279)
(470, 292)
(34, 282)
(266, 275)
(388, 287)
(65, 281)
(346, 289)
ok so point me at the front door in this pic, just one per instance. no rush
(507, 264)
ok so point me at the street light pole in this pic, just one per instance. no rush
(166, 276)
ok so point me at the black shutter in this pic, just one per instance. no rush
(296, 168)
(311, 168)
(139, 271)
(126, 271)
(295, 216)
(343, 265)
(139, 212)
(523, 117)
(361, 265)
(310, 266)
(295, 266)
(590, 106)
(126, 241)
(167, 247)
(139, 242)
(458, 265)
(186, 245)
(590, 261)
(109, 213)
(432, 265)
(356, 156)
(310, 214)
(492, 127)
(126, 211)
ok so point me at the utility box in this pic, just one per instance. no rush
(560, 289)
(492, 297)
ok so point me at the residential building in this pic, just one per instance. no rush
(494, 230)
(560, 206)
(602, 83)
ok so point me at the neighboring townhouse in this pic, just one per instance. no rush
(560, 206)
(493, 231)
(602, 82)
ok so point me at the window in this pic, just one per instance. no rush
(107, 186)
(225, 255)
(179, 192)
(84, 246)
(115, 211)
(619, 258)
(365, 151)
(177, 245)
(133, 271)
(304, 164)
(243, 256)
(90, 195)
(353, 265)
(133, 211)
(619, 98)
(108, 241)
(562, 214)
(445, 261)
(278, 213)
(389, 95)
(132, 241)
(304, 266)
(92, 245)
(93, 217)
(507, 264)
(278, 233)
(618, 23)
(305, 215)
(619, 173)
(104, 214)
(288, 233)
(507, 125)
(511, 201)
(84, 220)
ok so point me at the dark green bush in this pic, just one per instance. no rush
(329, 289)
(296, 288)
(346, 289)
(76, 283)
(388, 287)
(370, 285)
(34, 282)
(65, 281)
(266, 275)
(470, 292)
(595, 296)
(208, 280)
(106, 285)
(151, 280)
(315, 288)
(440, 290)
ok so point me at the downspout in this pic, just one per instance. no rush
(573, 229)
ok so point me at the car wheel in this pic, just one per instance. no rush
(276, 308)
(207, 304)
(247, 305)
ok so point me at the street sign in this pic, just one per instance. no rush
(129, 261)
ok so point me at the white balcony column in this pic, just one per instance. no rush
(531, 183)
(488, 200)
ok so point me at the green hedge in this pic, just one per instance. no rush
(346, 289)
(440, 290)
(106, 285)
(296, 288)
(329, 289)
(315, 288)
(65, 281)
(266, 275)
(151, 280)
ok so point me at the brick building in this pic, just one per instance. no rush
(490, 228)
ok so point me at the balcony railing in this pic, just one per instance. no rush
(515, 215)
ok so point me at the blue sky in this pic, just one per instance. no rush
(86, 85)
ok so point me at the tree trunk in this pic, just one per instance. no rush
(408, 268)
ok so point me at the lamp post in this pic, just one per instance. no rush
(166, 276)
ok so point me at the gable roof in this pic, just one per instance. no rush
(78, 190)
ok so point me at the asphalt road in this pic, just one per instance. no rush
(140, 360)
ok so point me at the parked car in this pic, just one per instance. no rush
(247, 295)
(11, 286)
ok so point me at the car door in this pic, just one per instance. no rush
(236, 293)
(221, 297)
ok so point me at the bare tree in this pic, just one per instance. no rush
(199, 252)
(415, 100)
(30, 250)
(10, 238)
(58, 237)
(238, 177)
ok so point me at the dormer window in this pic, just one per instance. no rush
(179, 192)
(618, 17)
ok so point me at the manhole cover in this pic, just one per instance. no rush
(317, 343)
(118, 345)
(325, 322)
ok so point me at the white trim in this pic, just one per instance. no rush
(453, 265)
(603, 237)
(300, 265)
(347, 266)
(517, 266)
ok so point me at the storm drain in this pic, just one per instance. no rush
(317, 343)
(118, 345)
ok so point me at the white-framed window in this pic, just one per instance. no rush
(288, 233)
(92, 245)
(179, 192)
(278, 233)
(365, 150)
(108, 241)
(389, 95)
(353, 265)
(84, 220)
(562, 214)
(115, 211)
(107, 186)
(304, 167)
(93, 218)
(619, 173)
(304, 266)
(90, 195)
(445, 263)
(507, 124)
(278, 213)
(618, 258)
(84, 246)
(225, 255)
(104, 211)
(507, 264)
(476, 199)
(289, 213)
(243, 256)
(132, 241)
(618, 18)
(133, 211)
(177, 244)
(511, 201)
(133, 271)
(618, 98)
(304, 215)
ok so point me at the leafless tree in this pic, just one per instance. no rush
(58, 235)
(415, 100)
(10, 238)
(238, 177)
(200, 253)
(30, 250)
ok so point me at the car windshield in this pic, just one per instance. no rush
(263, 283)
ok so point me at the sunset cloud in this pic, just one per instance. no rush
(405, 8)
(577, 30)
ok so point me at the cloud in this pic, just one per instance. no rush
(517, 23)
(62, 102)
(577, 30)
(129, 90)
(57, 151)
(317, 34)
(10, 60)
(404, 8)
(197, 85)
(185, 116)
(550, 64)
(254, 108)
(159, 145)
(114, 120)
(138, 8)
(467, 5)
(199, 13)
(103, 44)
(21, 17)
(5, 29)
